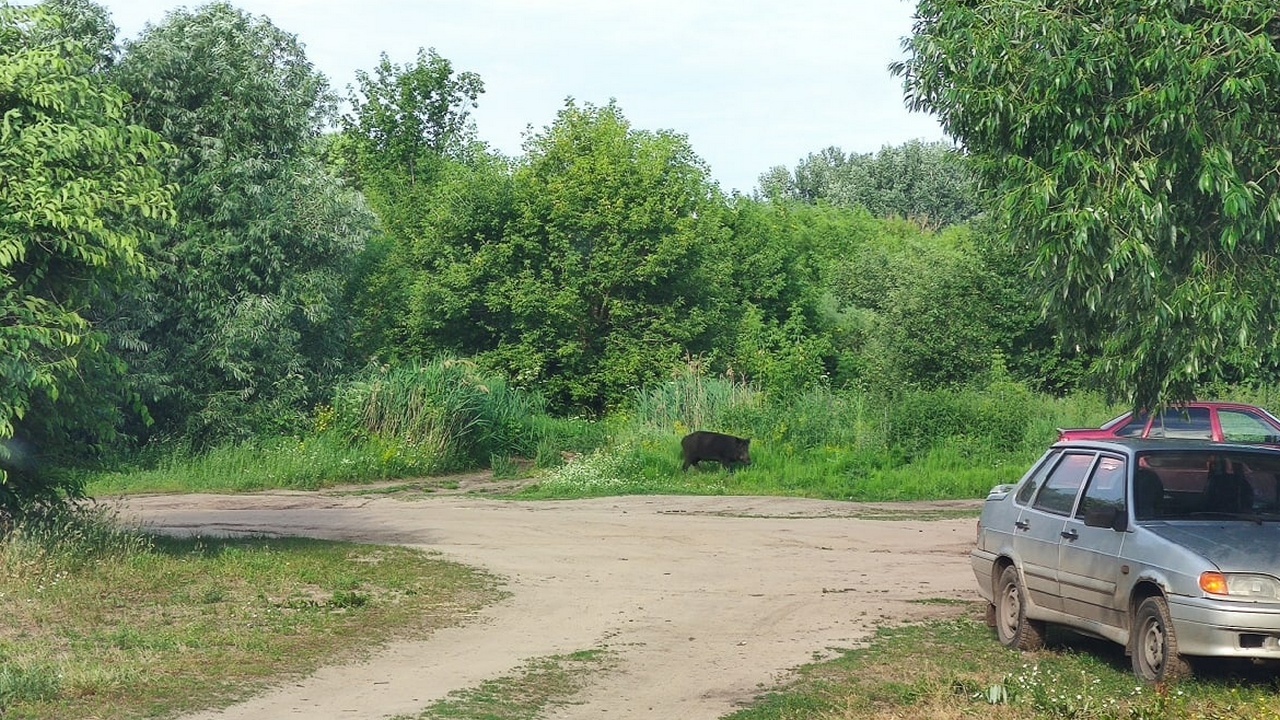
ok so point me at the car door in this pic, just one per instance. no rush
(1039, 527)
(1089, 557)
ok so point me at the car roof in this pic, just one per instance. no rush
(1136, 445)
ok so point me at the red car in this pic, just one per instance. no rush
(1219, 421)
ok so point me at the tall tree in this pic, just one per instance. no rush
(77, 197)
(245, 327)
(86, 23)
(403, 115)
(1131, 148)
(930, 183)
(408, 143)
(603, 271)
(777, 336)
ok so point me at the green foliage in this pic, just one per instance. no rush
(911, 307)
(308, 463)
(245, 323)
(952, 667)
(83, 22)
(601, 275)
(445, 413)
(78, 196)
(846, 445)
(441, 200)
(690, 401)
(1131, 150)
(781, 340)
(929, 183)
(403, 116)
(999, 415)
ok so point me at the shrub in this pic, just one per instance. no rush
(445, 412)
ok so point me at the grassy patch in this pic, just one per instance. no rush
(955, 668)
(527, 693)
(653, 467)
(300, 464)
(106, 624)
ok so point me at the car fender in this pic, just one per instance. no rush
(1146, 575)
(984, 568)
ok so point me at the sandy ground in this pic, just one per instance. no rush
(707, 601)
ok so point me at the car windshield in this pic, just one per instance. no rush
(1206, 484)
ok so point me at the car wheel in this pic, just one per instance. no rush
(1012, 626)
(1155, 647)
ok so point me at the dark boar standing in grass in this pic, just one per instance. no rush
(727, 450)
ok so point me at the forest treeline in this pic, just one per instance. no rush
(198, 248)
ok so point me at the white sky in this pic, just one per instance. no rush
(752, 83)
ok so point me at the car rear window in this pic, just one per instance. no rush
(1135, 426)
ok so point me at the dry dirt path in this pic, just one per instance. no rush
(706, 601)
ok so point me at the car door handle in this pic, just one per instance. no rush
(1022, 525)
(1070, 534)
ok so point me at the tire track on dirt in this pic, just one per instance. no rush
(706, 601)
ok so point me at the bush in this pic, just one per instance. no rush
(443, 413)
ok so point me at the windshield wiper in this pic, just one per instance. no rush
(1228, 515)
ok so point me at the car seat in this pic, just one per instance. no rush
(1228, 492)
(1148, 494)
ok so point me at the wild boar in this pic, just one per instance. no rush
(727, 450)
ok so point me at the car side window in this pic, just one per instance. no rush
(1106, 487)
(1246, 427)
(1136, 425)
(1184, 423)
(1035, 478)
(1058, 496)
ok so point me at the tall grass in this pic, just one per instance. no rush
(850, 445)
(398, 421)
(429, 418)
(445, 414)
(692, 401)
(308, 463)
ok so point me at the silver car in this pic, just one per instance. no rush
(1170, 548)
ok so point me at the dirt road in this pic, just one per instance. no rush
(706, 601)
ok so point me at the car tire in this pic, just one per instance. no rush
(1013, 627)
(1154, 647)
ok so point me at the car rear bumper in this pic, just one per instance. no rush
(1217, 628)
(983, 563)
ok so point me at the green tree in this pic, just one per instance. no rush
(245, 324)
(930, 183)
(605, 275)
(403, 115)
(78, 195)
(85, 22)
(1131, 149)
(781, 340)
(408, 144)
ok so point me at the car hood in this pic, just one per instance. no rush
(1234, 546)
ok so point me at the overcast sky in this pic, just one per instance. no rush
(752, 83)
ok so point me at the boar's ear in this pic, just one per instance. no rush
(746, 442)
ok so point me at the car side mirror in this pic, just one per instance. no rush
(1106, 517)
